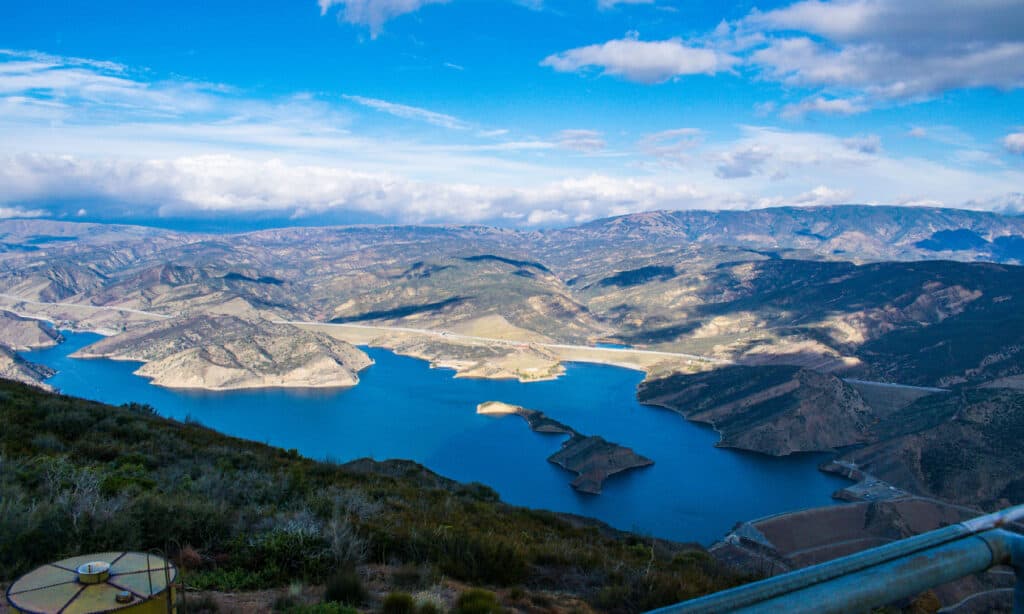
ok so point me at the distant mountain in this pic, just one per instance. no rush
(848, 232)
(769, 286)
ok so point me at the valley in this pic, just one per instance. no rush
(833, 330)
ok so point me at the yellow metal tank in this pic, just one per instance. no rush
(123, 582)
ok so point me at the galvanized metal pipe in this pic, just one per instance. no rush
(849, 582)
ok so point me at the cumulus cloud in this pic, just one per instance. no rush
(642, 61)
(410, 112)
(227, 184)
(893, 49)
(1014, 142)
(373, 13)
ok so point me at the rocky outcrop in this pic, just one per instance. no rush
(223, 352)
(776, 410)
(18, 369)
(19, 334)
(593, 459)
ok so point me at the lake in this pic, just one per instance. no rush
(404, 409)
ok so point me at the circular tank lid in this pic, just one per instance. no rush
(92, 583)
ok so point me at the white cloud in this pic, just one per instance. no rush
(490, 134)
(1014, 142)
(822, 195)
(642, 61)
(869, 143)
(671, 144)
(820, 104)
(373, 13)
(226, 184)
(1011, 203)
(16, 212)
(410, 112)
(742, 162)
(216, 150)
(900, 24)
(585, 141)
(609, 4)
(893, 49)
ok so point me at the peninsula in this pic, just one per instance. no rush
(223, 352)
(593, 459)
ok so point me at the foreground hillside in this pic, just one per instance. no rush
(78, 476)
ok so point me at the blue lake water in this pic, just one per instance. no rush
(404, 409)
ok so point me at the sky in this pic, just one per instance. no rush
(520, 113)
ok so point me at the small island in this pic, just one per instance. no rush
(593, 459)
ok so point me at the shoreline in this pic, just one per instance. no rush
(548, 356)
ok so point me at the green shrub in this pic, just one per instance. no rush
(477, 601)
(398, 603)
(345, 587)
(411, 576)
(197, 604)
(485, 558)
(323, 608)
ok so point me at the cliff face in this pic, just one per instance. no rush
(19, 334)
(775, 410)
(226, 352)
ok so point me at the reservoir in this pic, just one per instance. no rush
(404, 409)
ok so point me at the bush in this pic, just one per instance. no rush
(322, 608)
(477, 601)
(197, 605)
(410, 576)
(484, 558)
(398, 603)
(345, 587)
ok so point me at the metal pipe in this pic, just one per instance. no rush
(886, 583)
(1014, 557)
(943, 555)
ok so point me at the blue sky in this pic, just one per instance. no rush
(522, 113)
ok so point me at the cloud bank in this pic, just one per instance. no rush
(83, 134)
